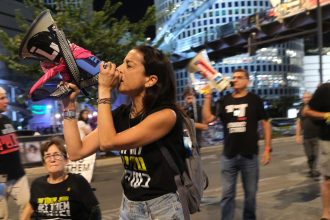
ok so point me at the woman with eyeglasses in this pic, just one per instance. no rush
(60, 195)
(138, 130)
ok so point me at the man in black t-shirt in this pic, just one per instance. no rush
(13, 180)
(319, 108)
(309, 129)
(240, 113)
(194, 111)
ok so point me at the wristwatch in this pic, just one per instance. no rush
(69, 114)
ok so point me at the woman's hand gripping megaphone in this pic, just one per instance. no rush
(69, 100)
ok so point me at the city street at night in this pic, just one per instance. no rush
(116, 74)
(285, 191)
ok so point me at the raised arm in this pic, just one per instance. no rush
(206, 110)
(76, 147)
(150, 129)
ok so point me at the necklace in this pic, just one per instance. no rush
(133, 113)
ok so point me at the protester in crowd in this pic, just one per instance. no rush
(83, 125)
(194, 111)
(309, 129)
(138, 130)
(319, 108)
(60, 195)
(13, 180)
(240, 112)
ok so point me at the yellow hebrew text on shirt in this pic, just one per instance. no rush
(52, 200)
(136, 162)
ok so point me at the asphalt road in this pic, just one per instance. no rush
(285, 192)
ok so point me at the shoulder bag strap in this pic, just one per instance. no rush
(169, 159)
(177, 178)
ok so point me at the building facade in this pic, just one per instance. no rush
(311, 71)
(274, 71)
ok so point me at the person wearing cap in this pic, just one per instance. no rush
(13, 179)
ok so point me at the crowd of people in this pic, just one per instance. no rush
(152, 119)
(318, 108)
(13, 180)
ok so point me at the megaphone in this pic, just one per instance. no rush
(201, 63)
(45, 42)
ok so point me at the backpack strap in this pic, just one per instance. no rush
(177, 178)
(169, 159)
(189, 124)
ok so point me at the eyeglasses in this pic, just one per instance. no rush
(56, 156)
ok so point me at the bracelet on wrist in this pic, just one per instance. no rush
(69, 114)
(104, 101)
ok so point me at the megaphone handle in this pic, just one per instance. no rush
(67, 54)
(61, 91)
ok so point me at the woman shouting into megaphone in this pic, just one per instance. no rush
(136, 129)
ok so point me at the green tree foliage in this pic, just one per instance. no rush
(100, 32)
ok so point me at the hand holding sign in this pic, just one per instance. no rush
(201, 63)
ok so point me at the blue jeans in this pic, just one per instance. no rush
(164, 207)
(249, 167)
